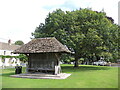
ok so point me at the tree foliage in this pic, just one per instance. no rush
(23, 57)
(87, 33)
(8, 56)
(19, 42)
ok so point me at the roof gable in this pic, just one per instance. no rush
(6, 46)
(42, 45)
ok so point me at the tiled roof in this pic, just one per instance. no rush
(6, 46)
(41, 45)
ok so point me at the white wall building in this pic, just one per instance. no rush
(6, 49)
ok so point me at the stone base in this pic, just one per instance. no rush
(42, 76)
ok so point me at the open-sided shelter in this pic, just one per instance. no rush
(43, 54)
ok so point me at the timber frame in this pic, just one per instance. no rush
(43, 55)
(44, 62)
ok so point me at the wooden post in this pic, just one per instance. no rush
(57, 67)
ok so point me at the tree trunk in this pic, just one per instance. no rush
(76, 62)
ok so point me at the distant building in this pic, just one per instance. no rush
(6, 49)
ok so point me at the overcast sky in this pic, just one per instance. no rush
(19, 18)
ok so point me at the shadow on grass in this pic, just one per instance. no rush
(7, 74)
(82, 68)
(11, 71)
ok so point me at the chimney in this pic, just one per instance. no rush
(9, 41)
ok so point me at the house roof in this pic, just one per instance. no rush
(42, 45)
(6, 46)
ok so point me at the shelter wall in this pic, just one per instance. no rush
(43, 61)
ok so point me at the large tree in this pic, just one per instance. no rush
(87, 33)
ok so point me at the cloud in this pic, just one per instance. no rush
(109, 6)
(18, 18)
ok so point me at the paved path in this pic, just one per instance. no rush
(42, 76)
(117, 65)
(6, 67)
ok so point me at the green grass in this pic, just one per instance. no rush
(85, 76)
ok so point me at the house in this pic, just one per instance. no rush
(43, 55)
(7, 58)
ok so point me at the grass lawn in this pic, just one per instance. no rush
(86, 76)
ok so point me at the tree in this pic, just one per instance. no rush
(87, 33)
(23, 58)
(19, 42)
